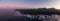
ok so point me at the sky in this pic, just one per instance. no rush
(30, 4)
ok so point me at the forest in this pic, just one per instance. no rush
(39, 11)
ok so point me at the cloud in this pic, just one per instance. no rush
(30, 3)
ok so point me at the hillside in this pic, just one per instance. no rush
(39, 11)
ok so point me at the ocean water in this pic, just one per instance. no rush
(11, 15)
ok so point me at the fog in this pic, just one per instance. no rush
(8, 14)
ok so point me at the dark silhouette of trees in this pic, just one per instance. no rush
(39, 11)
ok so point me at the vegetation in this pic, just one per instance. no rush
(40, 11)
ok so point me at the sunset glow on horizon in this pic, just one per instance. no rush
(30, 4)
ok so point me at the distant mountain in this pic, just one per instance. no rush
(45, 11)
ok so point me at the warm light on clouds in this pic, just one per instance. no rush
(30, 4)
(57, 4)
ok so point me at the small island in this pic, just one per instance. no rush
(45, 11)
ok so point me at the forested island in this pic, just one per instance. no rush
(45, 11)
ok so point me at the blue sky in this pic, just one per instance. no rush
(30, 3)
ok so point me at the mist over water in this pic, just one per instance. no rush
(11, 14)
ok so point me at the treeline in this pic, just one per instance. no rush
(39, 11)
